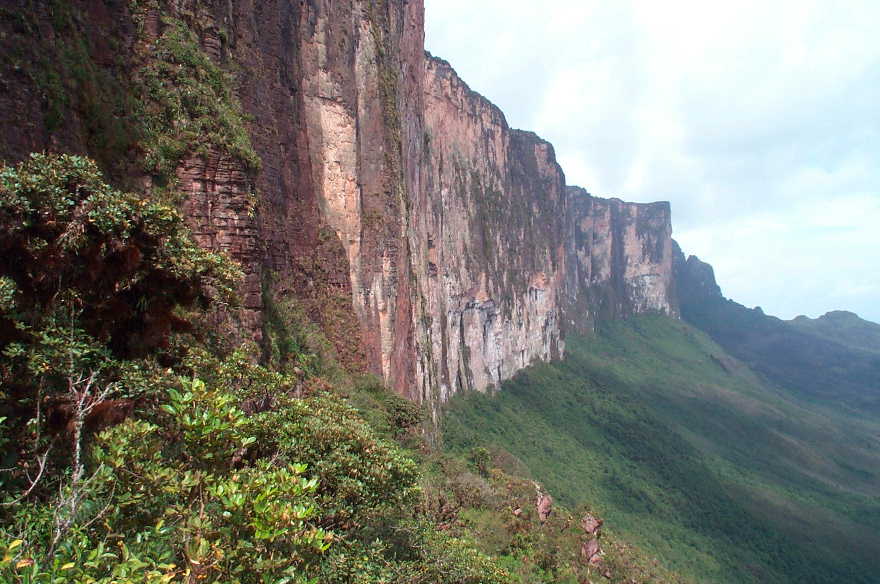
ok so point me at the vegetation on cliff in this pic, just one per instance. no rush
(187, 106)
(139, 450)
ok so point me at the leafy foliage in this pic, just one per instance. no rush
(180, 507)
(72, 247)
(359, 473)
(94, 283)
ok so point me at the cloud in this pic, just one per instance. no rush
(758, 121)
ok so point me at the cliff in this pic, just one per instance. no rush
(621, 258)
(489, 242)
(346, 170)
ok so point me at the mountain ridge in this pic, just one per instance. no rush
(788, 353)
(843, 326)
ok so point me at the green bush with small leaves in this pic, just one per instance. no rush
(89, 274)
(174, 498)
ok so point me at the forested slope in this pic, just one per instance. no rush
(692, 455)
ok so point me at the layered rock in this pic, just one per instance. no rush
(432, 243)
(620, 258)
(488, 243)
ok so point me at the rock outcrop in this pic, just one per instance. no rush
(695, 279)
(434, 245)
(543, 505)
(591, 552)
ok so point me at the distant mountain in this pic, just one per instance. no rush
(847, 328)
(834, 359)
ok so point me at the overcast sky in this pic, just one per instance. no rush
(758, 121)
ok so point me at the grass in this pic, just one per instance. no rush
(689, 455)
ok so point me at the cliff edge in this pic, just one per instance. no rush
(346, 170)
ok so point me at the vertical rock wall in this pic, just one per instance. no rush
(432, 243)
(620, 259)
(488, 243)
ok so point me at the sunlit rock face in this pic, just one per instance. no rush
(432, 244)
(488, 246)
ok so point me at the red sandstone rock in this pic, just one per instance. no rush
(591, 524)
(544, 505)
(432, 243)
(590, 552)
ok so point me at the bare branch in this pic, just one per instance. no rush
(42, 465)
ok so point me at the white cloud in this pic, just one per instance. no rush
(757, 120)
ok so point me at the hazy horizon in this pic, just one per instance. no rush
(758, 123)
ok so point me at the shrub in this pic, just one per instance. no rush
(170, 501)
(79, 258)
(360, 473)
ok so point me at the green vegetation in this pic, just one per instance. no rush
(67, 80)
(139, 451)
(175, 103)
(689, 455)
(92, 275)
(220, 470)
(187, 104)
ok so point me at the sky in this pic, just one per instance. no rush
(758, 121)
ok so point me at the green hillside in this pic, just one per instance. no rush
(142, 446)
(689, 454)
(828, 363)
(844, 327)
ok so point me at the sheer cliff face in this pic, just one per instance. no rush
(433, 244)
(488, 242)
(621, 258)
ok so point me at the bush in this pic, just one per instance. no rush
(360, 474)
(169, 501)
(88, 272)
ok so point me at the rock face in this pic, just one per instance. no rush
(544, 506)
(488, 242)
(434, 245)
(621, 258)
(591, 552)
(695, 278)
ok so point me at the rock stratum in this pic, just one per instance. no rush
(435, 245)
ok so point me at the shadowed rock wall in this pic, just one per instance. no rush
(620, 259)
(488, 242)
